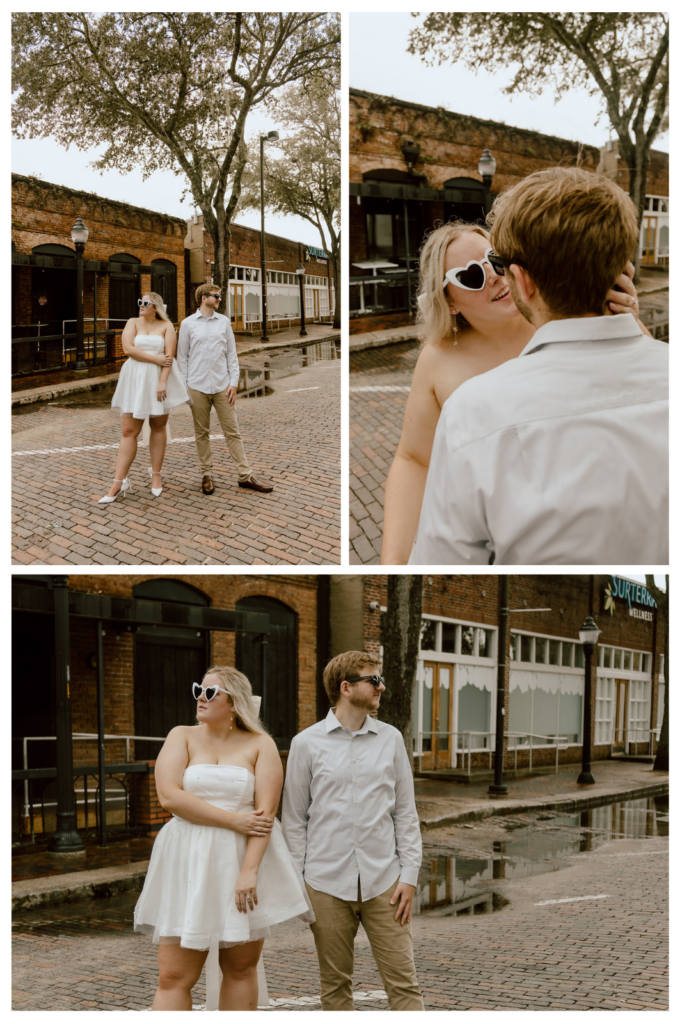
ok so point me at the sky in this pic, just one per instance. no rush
(379, 63)
(162, 191)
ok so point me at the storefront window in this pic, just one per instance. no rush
(635, 661)
(514, 647)
(428, 636)
(526, 648)
(639, 711)
(473, 708)
(485, 643)
(231, 273)
(566, 654)
(468, 640)
(604, 711)
(626, 661)
(579, 661)
(448, 637)
(540, 649)
(554, 652)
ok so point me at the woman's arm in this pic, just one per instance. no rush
(128, 335)
(169, 771)
(170, 341)
(269, 779)
(407, 477)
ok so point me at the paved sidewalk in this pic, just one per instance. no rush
(290, 436)
(589, 936)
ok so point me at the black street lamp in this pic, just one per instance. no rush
(300, 270)
(79, 234)
(589, 637)
(66, 839)
(497, 787)
(270, 137)
(487, 165)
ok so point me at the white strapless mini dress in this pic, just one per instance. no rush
(137, 383)
(188, 893)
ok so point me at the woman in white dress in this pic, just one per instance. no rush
(220, 872)
(469, 324)
(150, 384)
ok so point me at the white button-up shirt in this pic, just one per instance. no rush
(207, 353)
(559, 457)
(348, 811)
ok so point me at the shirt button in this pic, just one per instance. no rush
(354, 760)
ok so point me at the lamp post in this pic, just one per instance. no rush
(270, 137)
(79, 235)
(487, 165)
(300, 270)
(497, 787)
(589, 636)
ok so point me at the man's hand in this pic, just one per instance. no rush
(231, 394)
(404, 893)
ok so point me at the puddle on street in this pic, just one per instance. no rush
(459, 883)
(257, 370)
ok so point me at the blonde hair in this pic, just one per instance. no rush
(434, 319)
(206, 289)
(572, 229)
(341, 667)
(241, 694)
(158, 306)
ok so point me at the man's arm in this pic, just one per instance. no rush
(232, 360)
(296, 802)
(182, 354)
(408, 837)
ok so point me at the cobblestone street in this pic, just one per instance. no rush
(64, 458)
(589, 936)
(379, 385)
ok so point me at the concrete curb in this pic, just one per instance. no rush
(379, 339)
(496, 808)
(78, 885)
(272, 345)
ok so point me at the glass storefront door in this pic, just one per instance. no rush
(437, 688)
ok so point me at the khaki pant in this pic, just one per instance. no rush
(335, 928)
(227, 416)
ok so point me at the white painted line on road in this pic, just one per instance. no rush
(275, 1004)
(99, 447)
(574, 899)
(291, 391)
(647, 853)
(382, 387)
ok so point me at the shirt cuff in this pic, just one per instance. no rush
(410, 876)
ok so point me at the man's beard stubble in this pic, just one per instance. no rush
(523, 309)
(362, 703)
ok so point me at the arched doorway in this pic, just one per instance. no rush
(167, 659)
(124, 290)
(166, 285)
(280, 699)
(53, 296)
(464, 200)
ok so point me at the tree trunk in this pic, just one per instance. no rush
(401, 650)
(337, 294)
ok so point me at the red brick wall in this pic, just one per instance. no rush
(224, 590)
(44, 213)
(361, 324)
(450, 143)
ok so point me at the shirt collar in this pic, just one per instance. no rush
(213, 316)
(585, 328)
(332, 722)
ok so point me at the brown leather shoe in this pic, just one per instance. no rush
(255, 485)
(207, 485)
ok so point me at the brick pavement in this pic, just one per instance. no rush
(535, 954)
(291, 436)
(376, 422)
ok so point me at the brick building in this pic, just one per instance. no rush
(413, 167)
(456, 681)
(160, 633)
(148, 667)
(282, 257)
(129, 250)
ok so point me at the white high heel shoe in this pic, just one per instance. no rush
(125, 486)
(156, 491)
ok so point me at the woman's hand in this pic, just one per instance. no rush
(163, 360)
(245, 895)
(252, 823)
(161, 394)
(625, 300)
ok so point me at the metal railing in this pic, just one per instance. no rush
(633, 737)
(85, 771)
(465, 747)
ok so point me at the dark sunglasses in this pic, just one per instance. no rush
(209, 692)
(376, 681)
(498, 263)
(214, 295)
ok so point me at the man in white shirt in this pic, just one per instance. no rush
(558, 457)
(207, 359)
(350, 822)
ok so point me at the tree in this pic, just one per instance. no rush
(401, 635)
(623, 56)
(662, 598)
(306, 179)
(169, 91)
